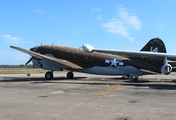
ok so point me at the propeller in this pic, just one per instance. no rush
(28, 61)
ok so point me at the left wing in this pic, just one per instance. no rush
(58, 62)
(141, 54)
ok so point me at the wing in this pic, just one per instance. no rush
(138, 54)
(141, 54)
(55, 61)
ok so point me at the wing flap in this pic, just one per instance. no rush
(58, 62)
(148, 71)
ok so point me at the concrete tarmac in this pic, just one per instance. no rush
(87, 97)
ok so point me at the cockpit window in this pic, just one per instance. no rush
(34, 49)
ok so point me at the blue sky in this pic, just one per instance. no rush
(110, 24)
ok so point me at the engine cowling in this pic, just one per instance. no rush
(166, 69)
(45, 65)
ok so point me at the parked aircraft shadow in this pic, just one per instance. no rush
(153, 84)
(25, 79)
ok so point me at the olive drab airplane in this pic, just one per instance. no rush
(152, 59)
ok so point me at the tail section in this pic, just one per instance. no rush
(153, 64)
(155, 45)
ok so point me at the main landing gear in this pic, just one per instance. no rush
(131, 78)
(49, 75)
(70, 75)
(134, 78)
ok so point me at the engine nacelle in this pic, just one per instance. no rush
(45, 65)
(166, 69)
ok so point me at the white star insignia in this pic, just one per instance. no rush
(114, 62)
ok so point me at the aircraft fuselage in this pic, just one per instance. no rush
(94, 63)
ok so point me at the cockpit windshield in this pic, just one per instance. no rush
(34, 49)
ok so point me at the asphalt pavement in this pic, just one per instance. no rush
(87, 97)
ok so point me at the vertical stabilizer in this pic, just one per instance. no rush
(153, 63)
(155, 45)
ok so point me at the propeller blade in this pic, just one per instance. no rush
(28, 61)
(34, 66)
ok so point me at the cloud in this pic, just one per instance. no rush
(161, 24)
(130, 19)
(117, 27)
(123, 23)
(95, 9)
(7, 36)
(37, 11)
(11, 39)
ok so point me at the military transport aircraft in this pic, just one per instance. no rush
(152, 59)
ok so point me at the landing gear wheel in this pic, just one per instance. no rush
(134, 79)
(125, 76)
(70, 75)
(48, 75)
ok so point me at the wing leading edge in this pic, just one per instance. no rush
(141, 54)
(55, 61)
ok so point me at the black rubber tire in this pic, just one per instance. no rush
(70, 75)
(48, 75)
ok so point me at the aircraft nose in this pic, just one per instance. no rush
(34, 49)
